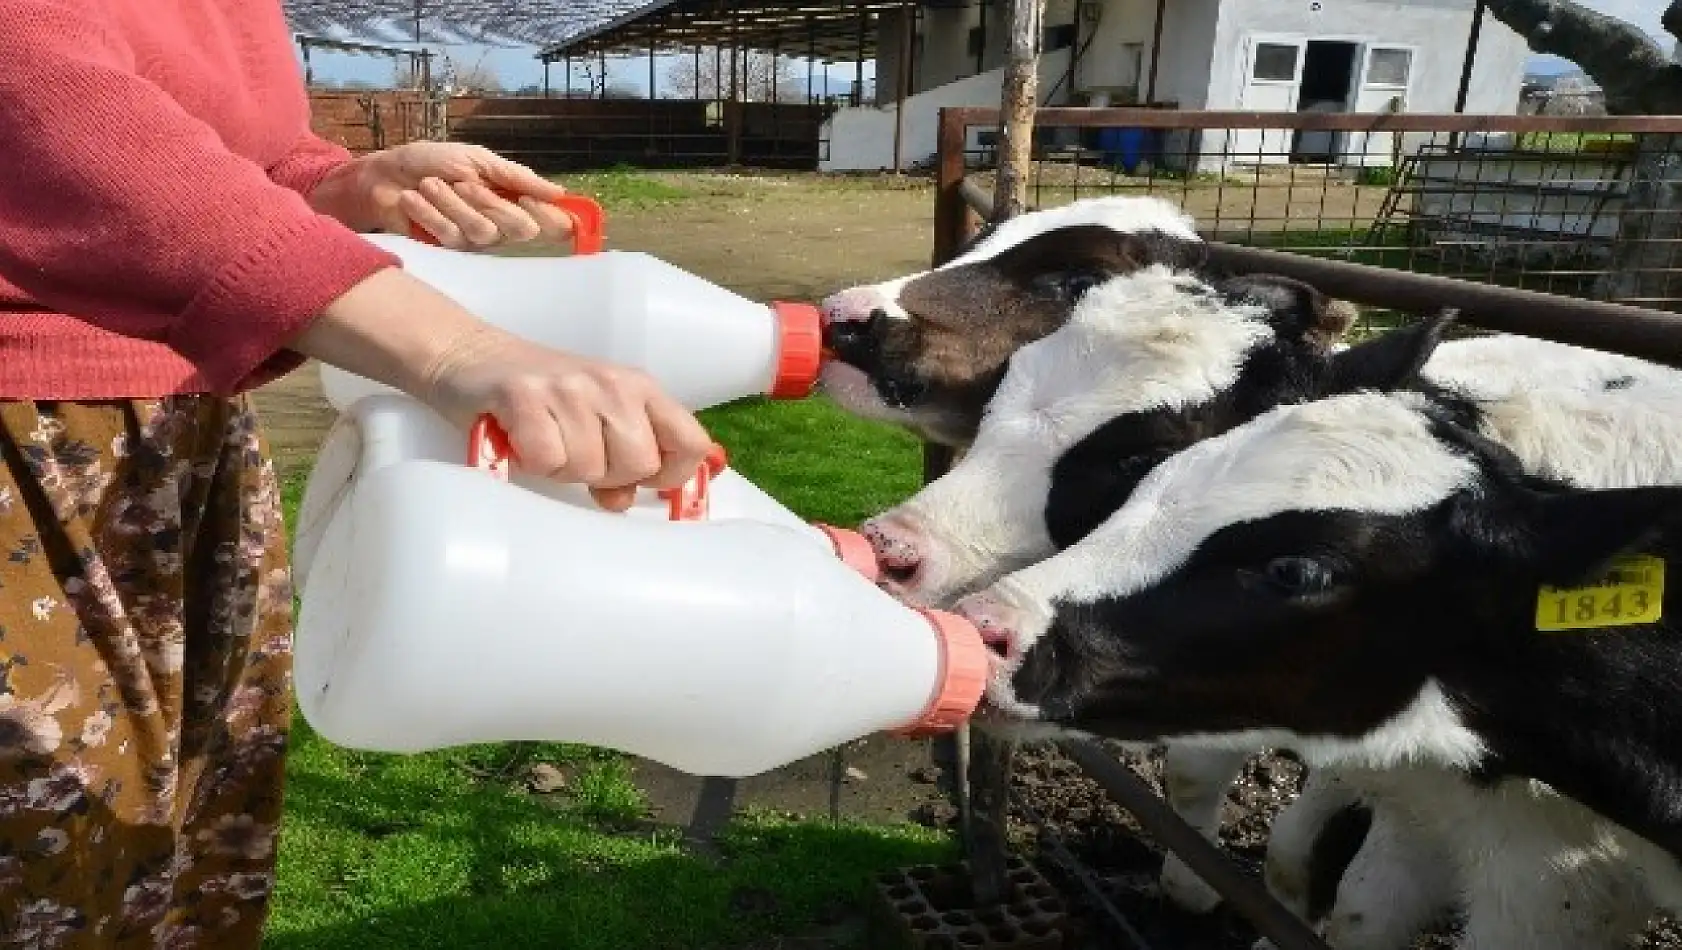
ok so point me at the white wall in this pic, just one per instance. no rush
(1189, 31)
(1437, 28)
(1115, 59)
(862, 139)
(945, 54)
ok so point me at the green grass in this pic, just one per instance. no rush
(446, 849)
(624, 189)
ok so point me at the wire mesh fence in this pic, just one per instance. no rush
(1573, 206)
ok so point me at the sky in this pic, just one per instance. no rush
(517, 67)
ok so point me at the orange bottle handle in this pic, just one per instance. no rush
(692, 502)
(587, 221)
(489, 450)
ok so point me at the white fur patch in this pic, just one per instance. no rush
(1429, 732)
(1362, 452)
(1128, 214)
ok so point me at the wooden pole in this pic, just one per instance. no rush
(1017, 102)
(990, 756)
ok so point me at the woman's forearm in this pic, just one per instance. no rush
(391, 328)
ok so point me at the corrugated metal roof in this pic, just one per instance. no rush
(830, 29)
(496, 22)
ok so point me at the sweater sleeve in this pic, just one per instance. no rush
(309, 161)
(119, 208)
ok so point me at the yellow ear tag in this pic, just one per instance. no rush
(1631, 592)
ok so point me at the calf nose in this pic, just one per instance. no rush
(854, 341)
(900, 551)
(995, 620)
(856, 304)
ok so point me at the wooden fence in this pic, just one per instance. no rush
(568, 134)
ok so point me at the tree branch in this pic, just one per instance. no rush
(1672, 19)
(1637, 76)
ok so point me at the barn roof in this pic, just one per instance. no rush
(495, 22)
(833, 29)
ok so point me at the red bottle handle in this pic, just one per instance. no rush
(489, 450)
(587, 221)
(692, 501)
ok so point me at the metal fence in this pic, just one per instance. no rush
(1524, 223)
(1544, 203)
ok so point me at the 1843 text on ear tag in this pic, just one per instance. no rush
(1631, 592)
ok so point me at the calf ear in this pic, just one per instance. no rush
(1570, 536)
(1331, 320)
(1389, 361)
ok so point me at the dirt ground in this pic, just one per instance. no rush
(778, 237)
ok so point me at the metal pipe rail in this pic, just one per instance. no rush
(1616, 328)
(1271, 919)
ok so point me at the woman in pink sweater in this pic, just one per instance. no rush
(171, 237)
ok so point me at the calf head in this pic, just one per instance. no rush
(1147, 364)
(1356, 577)
(926, 351)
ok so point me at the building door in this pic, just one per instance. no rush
(1272, 82)
(1385, 77)
(1329, 69)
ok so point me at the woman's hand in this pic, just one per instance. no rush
(446, 189)
(568, 418)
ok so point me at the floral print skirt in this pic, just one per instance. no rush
(145, 664)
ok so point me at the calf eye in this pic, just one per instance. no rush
(1076, 285)
(1299, 576)
(1068, 286)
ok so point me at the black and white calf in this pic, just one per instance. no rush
(928, 351)
(925, 351)
(1146, 357)
(1372, 581)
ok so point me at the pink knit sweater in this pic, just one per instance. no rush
(154, 237)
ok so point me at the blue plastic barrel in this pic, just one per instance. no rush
(1126, 147)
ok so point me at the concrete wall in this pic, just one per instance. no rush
(1115, 59)
(1189, 30)
(1436, 28)
(862, 139)
(890, 45)
(946, 57)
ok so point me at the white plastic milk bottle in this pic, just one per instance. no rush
(446, 606)
(704, 344)
(383, 429)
